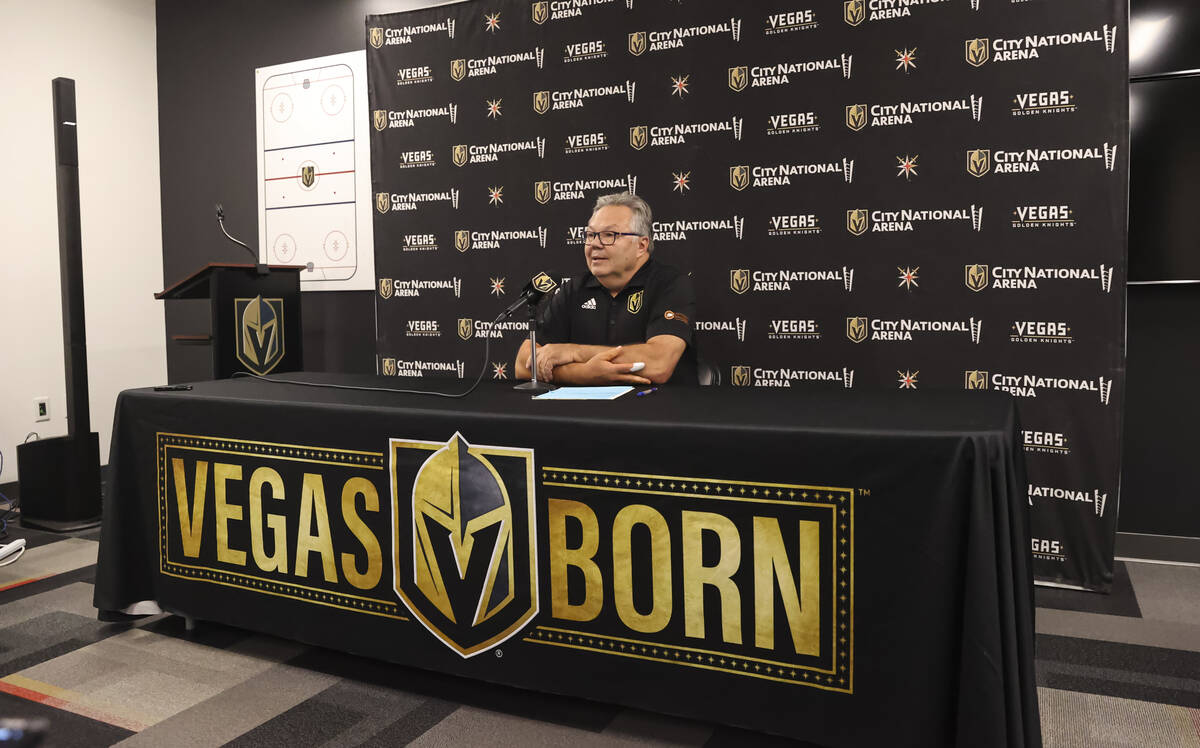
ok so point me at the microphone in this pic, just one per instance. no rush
(262, 269)
(537, 287)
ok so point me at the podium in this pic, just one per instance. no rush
(255, 316)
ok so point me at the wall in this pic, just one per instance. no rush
(109, 49)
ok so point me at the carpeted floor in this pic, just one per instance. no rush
(1118, 670)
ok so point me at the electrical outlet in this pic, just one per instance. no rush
(41, 408)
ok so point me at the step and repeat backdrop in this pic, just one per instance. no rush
(904, 194)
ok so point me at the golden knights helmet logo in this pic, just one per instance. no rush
(637, 43)
(856, 329)
(978, 51)
(380, 119)
(979, 162)
(739, 376)
(308, 175)
(543, 283)
(976, 277)
(389, 367)
(542, 192)
(975, 380)
(739, 280)
(854, 11)
(739, 177)
(386, 287)
(462, 240)
(464, 550)
(856, 116)
(541, 101)
(383, 202)
(260, 333)
(634, 302)
(857, 221)
(541, 12)
(639, 136)
(739, 77)
(466, 328)
(458, 69)
(375, 36)
(459, 152)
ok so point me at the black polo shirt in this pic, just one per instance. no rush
(658, 300)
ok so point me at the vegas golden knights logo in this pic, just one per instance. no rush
(975, 380)
(979, 162)
(639, 136)
(464, 552)
(856, 329)
(856, 116)
(381, 119)
(739, 281)
(634, 302)
(541, 12)
(857, 221)
(462, 240)
(637, 43)
(543, 283)
(458, 69)
(739, 177)
(308, 175)
(541, 192)
(976, 277)
(739, 77)
(854, 11)
(466, 328)
(740, 376)
(389, 367)
(260, 333)
(376, 37)
(541, 101)
(386, 287)
(977, 51)
(460, 155)
(383, 201)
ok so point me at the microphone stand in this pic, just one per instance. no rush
(259, 265)
(533, 385)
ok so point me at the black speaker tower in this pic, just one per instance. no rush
(60, 477)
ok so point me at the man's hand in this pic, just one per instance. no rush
(550, 356)
(600, 369)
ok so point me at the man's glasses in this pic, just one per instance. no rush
(607, 238)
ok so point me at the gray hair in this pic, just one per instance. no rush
(643, 219)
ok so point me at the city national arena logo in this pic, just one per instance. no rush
(260, 339)
(480, 328)
(406, 288)
(854, 12)
(464, 539)
(560, 10)
(393, 202)
(859, 116)
(1031, 385)
(576, 98)
(386, 119)
(981, 160)
(654, 136)
(490, 65)
(742, 280)
(741, 77)
(546, 191)
(860, 329)
(979, 277)
(1032, 46)
(677, 230)
(641, 42)
(1097, 499)
(781, 175)
(745, 376)
(861, 220)
(392, 36)
(491, 152)
(482, 240)
(737, 326)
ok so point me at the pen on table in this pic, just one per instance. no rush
(647, 392)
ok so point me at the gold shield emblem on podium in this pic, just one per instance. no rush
(459, 153)
(739, 77)
(977, 51)
(739, 281)
(739, 376)
(856, 329)
(639, 136)
(979, 162)
(856, 116)
(542, 192)
(458, 69)
(856, 221)
(260, 333)
(466, 328)
(541, 101)
(380, 119)
(976, 277)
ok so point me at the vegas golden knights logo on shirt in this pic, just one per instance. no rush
(639, 136)
(389, 367)
(381, 119)
(739, 281)
(856, 221)
(386, 288)
(979, 162)
(308, 175)
(260, 333)
(856, 116)
(978, 51)
(976, 277)
(541, 12)
(976, 380)
(541, 101)
(458, 69)
(637, 42)
(634, 302)
(739, 177)
(856, 329)
(464, 552)
(541, 192)
(740, 376)
(462, 240)
(460, 155)
(739, 77)
(383, 201)
(543, 283)
(854, 11)
(466, 328)
(376, 37)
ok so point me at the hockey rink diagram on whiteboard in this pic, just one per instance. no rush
(313, 159)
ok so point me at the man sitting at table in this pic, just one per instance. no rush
(627, 310)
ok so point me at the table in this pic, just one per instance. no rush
(848, 568)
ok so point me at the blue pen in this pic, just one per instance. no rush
(647, 392)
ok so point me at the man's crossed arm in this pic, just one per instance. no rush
(570, 363)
